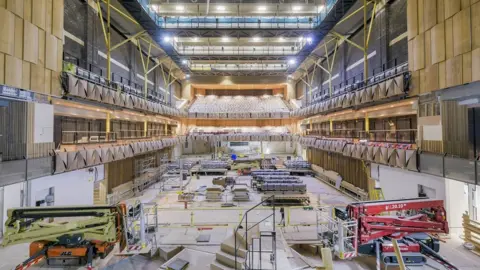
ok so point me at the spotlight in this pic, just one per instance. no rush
(187, 76)
(167, 39)
(225, 39)
(292, 61)
(179, 8)
(262, 8)
(184, 61)
(297, 8)
(309, 39)
(256, 39)
(195, 39)
(220, 8)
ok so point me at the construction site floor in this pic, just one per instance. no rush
(180, 227)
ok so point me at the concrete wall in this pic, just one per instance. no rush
(72, 188)
(401, 184)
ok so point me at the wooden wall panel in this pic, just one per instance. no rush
(57, 18)
(2, 68)
(41, 47)
(56, 88)
(451, 7)
(3, 3)
(18, 50)
(59, 55)
(51, 52)
(13, 71)
(440, 11)
(420, 14)
(449, 38)
(454, 74)
(350, 169)
(476, 65)
(411, 66)
(438, 43)
(442, 80)
(48, 16)
(476, 26)
(16, 7)
(26, 75)
(419, 52)
(415, 84)
(431, 78)
(37, 82)
(428, 49)
(432, 146)
(7, 32)
(412, 19)
(422, 81)
(27, 10)
(30, 48)
(38, 13)
(47, 81)
(464, 4)
(467, 67)
(462, 36)
(455, 129)
(429, 14)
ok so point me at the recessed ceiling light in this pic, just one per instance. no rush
(225, 39)
(220, 8)
(297, 8)
(262, 8)
(179, 8)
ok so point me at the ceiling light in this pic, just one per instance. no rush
(292, 61)
(175, 39)
(166, 38)
(220, 8)
(320, 8)
(300, 39)
(281, 39)
(309, 39)
(195, 39)
(256, 39)
(225, 39)
(262, 8)
(184, 61)
(297, 8)
(179, 8)
(187, 76)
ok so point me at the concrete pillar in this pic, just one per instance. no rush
(291, 93)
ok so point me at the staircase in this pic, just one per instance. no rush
(225, 257)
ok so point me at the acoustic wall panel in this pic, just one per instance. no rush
(454, 74)
(476, 64)
(30, 47)
(462, 36)
(431, 78)
(51, 52)
(7, 32)
(412, 19)
(438, 43)
(2, 68)
(38, 13)
(467, 67)
(475, 26)
(451, 7)
(448, 38)
(419, 52)
(13, 71)
(18, 49)
(429, 14)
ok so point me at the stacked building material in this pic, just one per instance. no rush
(297, 164)
(214, 164)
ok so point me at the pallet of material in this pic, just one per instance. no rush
(186, 197)
(241, 194)
(353, 190)
(214, 193)
(286, 199)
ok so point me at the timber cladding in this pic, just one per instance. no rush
(444, 43)
(31, 44)
(349, 168)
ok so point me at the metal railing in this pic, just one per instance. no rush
(249, 262)
(79, 137)
(394, 136)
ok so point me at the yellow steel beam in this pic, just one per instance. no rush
(128, 39)
(103, 24)
(109, 55)
(353, 13)
(118, 11)
(398, 253)
(334, 55)
(326, 56)
(141, 55)
(343, 38)
(371, 24)
(153, 68)
(365, 56)
(154, 45)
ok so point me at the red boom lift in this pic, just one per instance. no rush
(369, 228)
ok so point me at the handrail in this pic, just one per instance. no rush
(272, 197)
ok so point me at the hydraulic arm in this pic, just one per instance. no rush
(78, 234)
